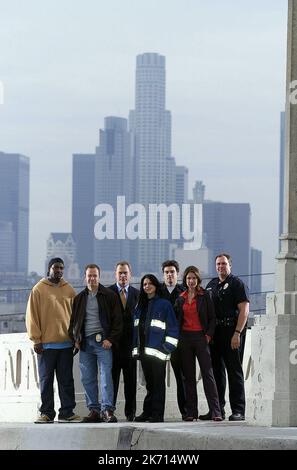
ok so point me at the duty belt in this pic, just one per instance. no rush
(227, 321)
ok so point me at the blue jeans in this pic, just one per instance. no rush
(90, 358)
(59, 361)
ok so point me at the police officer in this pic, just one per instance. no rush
(231, 300)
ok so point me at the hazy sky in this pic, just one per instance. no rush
(65, 65)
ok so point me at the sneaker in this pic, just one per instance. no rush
(43, 419)
(108, 416)
(93, 417)
(70, 419)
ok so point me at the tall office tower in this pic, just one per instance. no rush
(114, 187)
(226, 228)
(7, 247)
(14, 208)
(150, 123)
(83, 169)
(181, 184)
(181, 193)
(199, 192)
(281, 174)
(256, 270)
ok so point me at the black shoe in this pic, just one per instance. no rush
(190, 418)
(141, 418)
(156, 419)
(108, 416)
(130, 417)
(93, 417)
(236, 417)
(206, 417)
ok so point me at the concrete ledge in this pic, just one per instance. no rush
(137, 436)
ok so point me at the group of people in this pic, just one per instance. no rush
(111, 328)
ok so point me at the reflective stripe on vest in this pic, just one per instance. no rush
(158, 324)
(169, 339)
(157, 353)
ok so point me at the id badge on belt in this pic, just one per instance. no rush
(98, 338)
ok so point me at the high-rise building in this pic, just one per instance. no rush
(150, 124)
(181, 193)
(114, 187)
(83, 170)
(14, 210)
(226, 228)
(7, 247)
(181, 184)
(256, 271)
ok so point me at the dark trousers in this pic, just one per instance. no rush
(61, 362)
(154, 370)
(128, 366)
(194, 345)
(224, 358)
(176, 364)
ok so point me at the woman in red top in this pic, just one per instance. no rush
(195, 312)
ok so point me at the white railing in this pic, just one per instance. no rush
(19, 387)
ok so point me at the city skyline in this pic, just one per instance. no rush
(225, 101)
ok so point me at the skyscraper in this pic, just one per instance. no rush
(114, 178)
(226, 228)
(83, 170)
(14, 209)
(150, 123)
(256, 270)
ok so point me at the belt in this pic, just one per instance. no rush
(227, 321)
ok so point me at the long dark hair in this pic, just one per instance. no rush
(143, 298)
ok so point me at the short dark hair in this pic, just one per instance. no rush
(121, 263)
(195, 271)
(52, 262)
(170, 262)
(226, 256)
(92, 266)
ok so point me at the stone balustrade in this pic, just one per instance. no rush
(19, 388)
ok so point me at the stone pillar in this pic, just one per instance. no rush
(274, 336)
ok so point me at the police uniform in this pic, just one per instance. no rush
(226, 296)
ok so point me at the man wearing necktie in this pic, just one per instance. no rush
(122, 354)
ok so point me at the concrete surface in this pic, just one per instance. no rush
(145, 436)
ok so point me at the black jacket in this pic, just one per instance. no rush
(205, 309)
(109, 314)
(165, 294)
(126, 338)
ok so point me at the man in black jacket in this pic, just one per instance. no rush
(122, 353)
(171, 290)
(95, 327)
